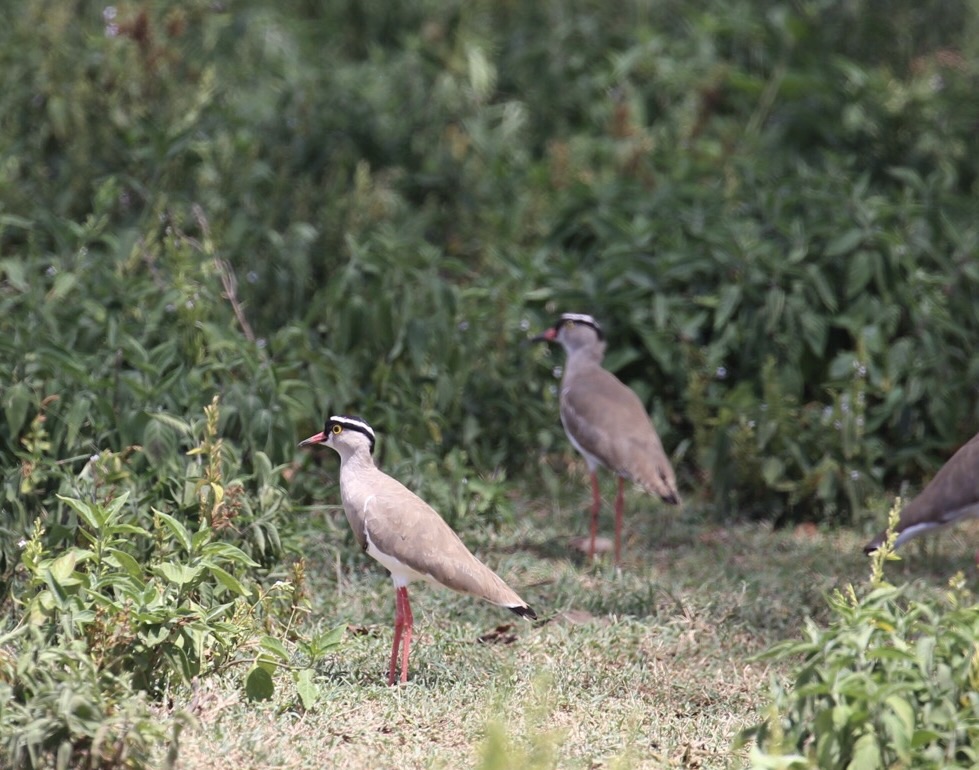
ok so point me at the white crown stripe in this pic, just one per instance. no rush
(352, 423)
(583, 318)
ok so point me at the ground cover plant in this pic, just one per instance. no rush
(220, 223)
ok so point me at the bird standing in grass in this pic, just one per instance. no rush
(606, 422)
(953, 495)
(404, 533)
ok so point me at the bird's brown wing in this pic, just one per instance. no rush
(402, 525)
(609, 421)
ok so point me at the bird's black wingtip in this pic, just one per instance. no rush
(524, 612)
(869, 549)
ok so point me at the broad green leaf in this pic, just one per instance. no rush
(127, 529)
(174, 422)
(866, 752)
(61, 569)
(115, 505)
(154, 633)
(85, 511)
(309, 691)
(125, 562)
(263, 467)
(844, 243)
(326, 641)
(730, 298)
(178, 530)
(859, 272)
(276, 647)
(822, 287)
(63, 284)
(258, 684)
(178, 573)
(77, 414)
(228, 580)
(16, 401)
(229, 552)
(900, 724)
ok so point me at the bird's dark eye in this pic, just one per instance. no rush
(337, 430)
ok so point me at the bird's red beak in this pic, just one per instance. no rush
(545, 336)
(319, 438)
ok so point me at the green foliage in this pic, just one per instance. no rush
(891, 682)
(359, 209)
(58, 708)
(127, 602)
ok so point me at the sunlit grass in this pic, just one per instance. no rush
(647, 667)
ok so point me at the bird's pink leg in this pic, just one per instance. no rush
(596, 502)
(619, 504)
(409, 623)
(399, 622)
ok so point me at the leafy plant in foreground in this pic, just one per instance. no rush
(137, 605)
(893, 681)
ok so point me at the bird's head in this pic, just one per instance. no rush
(344, 434)
(573, 331)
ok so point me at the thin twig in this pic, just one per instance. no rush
(228, 280)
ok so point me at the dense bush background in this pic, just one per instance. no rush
(354, 207)
(771, 207)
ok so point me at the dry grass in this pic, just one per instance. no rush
(646, 668)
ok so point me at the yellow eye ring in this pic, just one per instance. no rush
(337, 429)
(568, 324)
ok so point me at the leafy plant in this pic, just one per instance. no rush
(891, 682)
(141, 603)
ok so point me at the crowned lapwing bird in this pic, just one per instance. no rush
(606, 422)
(404, 533)
(951, 496)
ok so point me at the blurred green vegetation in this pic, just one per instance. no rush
(363, 207)
(772, 207)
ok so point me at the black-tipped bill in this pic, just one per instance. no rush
(319, 438)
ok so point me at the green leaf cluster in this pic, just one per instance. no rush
(891, 681)
(122, 604)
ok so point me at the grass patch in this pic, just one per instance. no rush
(647, 667)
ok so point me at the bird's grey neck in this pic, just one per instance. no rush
(358, 459)
(587, 354)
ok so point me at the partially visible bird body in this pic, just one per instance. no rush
(404, 534)
(951, 496)
(421, 546)
(606, 421)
